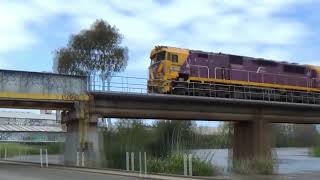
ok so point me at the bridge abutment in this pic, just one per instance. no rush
(82, 138)
(251, 141)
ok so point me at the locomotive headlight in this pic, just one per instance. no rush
(174, 68)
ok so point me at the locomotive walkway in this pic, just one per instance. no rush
(83, 102)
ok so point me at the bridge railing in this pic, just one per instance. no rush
(118, 84)
(140, 85)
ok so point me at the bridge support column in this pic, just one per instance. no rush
(82, 136)
(251, 141)
(95, 145)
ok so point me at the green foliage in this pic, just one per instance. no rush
(249, 166)
(14, 149)
(127, 136)
(173, 164)
(315, 151)
(294, 135)
(219, 140)
(202, 168)
(164, 142)
(170, 136)
(93, 50)
(211, 141)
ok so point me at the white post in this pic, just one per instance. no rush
(140, 164)
(78, 159)
(25, 155)
(5, 153)
(132, 161)
(190, 164)
(41, 157)
(47, 164)
(82, 159)
(127, 161)
(185, 172)
(145, 162)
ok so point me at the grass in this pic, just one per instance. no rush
(315, 151)
(174, 165)
(247, 166)
(14, 149)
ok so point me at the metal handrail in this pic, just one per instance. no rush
(131, 85)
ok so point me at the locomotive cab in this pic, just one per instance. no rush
(165, 67)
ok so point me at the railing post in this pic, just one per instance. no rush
(185, 164)
(82, 159)
(5, 153)
(132, 161)
(41, 161)
(145, 162)
(190, 164)
(78, 159)
(140, 163)
(47, 164)
(215, 73)
(127, 161)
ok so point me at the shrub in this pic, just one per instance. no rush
(174, 163)
(315, 151)
(14, 149)
(248, 166)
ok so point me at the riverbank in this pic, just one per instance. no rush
(289, 160)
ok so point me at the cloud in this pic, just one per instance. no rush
(4, 63)
(13, 33)
(233, 26)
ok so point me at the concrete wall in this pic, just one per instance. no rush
(20, 84)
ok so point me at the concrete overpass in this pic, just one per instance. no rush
(158, 106)
(82, 106)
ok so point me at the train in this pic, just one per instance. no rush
(182, 71)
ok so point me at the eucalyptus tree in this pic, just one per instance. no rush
(96, 50)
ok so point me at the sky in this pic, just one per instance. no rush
(283, 30)
(286, 30)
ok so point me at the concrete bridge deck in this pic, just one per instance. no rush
(157, 106)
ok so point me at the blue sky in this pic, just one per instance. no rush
(286, 30)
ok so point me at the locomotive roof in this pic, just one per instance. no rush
(184, 50)
(254, 58)
(248, 57)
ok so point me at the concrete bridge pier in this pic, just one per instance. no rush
(251, 141)
(82, 136)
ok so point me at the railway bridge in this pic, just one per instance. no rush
(83, 100)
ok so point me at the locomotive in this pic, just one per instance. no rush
(191, 72)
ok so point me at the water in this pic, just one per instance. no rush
(290, 160)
